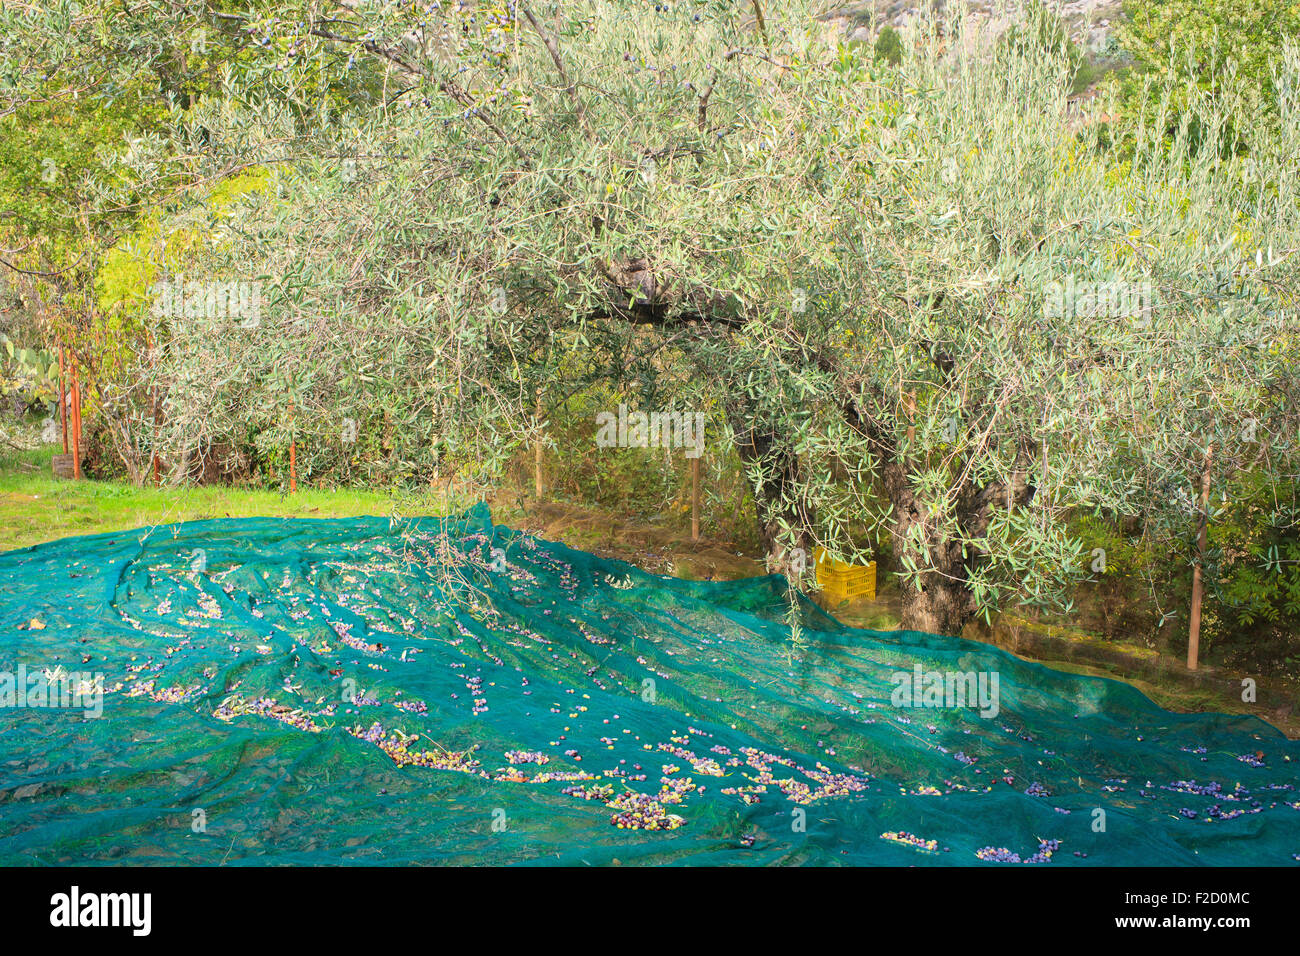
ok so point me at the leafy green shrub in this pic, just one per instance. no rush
(889, 47)
(1045, 31)
(1253, 574)
(29, 375)
(1196, 40)
(1134, 586)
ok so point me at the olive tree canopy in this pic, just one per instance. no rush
(922, 300)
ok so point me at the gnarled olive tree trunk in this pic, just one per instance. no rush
(941, 601)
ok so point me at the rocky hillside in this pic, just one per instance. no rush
(1089, 21)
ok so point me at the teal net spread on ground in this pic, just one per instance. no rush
(374, 692)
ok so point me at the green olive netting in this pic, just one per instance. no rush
(442, 690)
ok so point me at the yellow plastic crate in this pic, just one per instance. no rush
(840, 581)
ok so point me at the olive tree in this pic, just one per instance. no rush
(928, 304)
(926, 297)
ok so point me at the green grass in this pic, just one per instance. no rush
(35, 506)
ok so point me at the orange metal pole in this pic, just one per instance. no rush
(63, 398)
(76, 422)
(1198, 587)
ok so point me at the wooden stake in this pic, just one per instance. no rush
(293, 453)
(153, 410)
(695, 499)
(539, 486)
(1202, 538)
